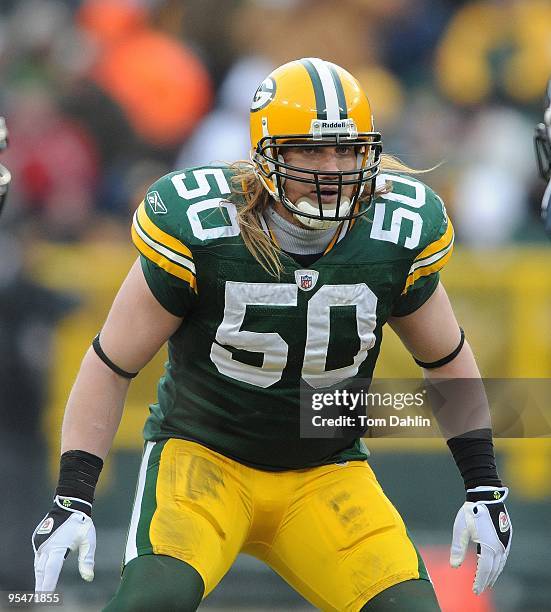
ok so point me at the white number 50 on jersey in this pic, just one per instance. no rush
(274, 349)
(399, 214)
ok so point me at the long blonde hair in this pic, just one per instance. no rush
(254, 199)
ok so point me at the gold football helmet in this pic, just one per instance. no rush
(315, 103)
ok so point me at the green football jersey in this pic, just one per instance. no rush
(247, 340)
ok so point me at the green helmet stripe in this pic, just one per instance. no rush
(321, 105)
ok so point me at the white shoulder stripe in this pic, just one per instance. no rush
(162, 250)
(432, 259)
(329, 89)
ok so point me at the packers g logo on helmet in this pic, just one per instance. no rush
(264, 94)
(320, 104)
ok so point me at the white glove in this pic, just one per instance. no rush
(483, 519)
(68, 526)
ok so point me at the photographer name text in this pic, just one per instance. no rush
(364, 420)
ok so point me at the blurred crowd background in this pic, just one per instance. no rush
(104, 96)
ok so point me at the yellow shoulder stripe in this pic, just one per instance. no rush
(159, 235)
(163, 262)
(439, 244)
(426, 270)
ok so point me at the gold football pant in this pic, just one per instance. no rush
(329, 531)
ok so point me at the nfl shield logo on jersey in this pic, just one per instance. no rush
(306, 279)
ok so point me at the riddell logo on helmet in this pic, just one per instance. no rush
(319, 127)
(333, 124)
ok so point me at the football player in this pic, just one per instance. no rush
(5, 176)
(542, 142)
(259, 276)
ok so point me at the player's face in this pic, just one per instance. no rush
(330, 159)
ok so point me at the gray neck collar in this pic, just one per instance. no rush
(295, 239)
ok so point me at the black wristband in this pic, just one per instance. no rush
(78, 475)
(473, 453)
